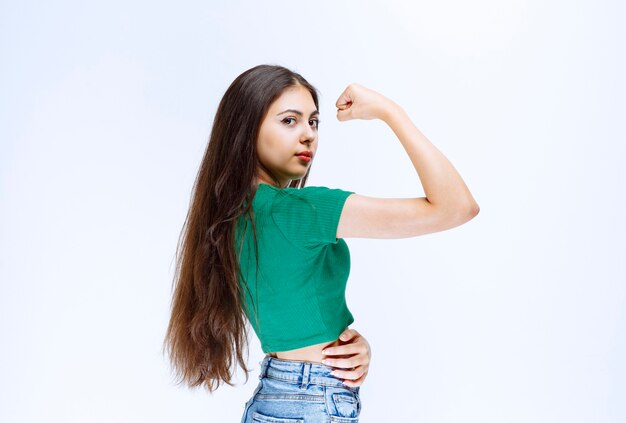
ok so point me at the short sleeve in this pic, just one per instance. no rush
(309, 216)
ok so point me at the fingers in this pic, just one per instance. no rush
(348, 334)
(347, 349)
(346, 363)
(352, 377)
(344, 104)
(345, 98)
(356, 348)
(356, 382)
(352, 369)
(356, 344)
(343, 115)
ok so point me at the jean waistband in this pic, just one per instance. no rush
(300, 373)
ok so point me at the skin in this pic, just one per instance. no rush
(281, 136)
(448, 202)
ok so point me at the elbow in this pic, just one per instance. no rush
(458, 214)
(473, 210)
(466, 212)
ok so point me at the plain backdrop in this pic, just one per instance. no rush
(517, 316)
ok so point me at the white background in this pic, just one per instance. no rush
(517, 316)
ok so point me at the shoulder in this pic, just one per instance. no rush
(309, 215)
(312, 193)
(313, 197)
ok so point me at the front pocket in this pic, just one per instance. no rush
(344, 398)
(347, 404)
(258, 417)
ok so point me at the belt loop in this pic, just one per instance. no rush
(264, 365)
(305, 375)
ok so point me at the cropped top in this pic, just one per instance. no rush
(296, 298)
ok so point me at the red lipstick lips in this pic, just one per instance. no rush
(305, 156)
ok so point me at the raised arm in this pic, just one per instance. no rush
(448, 202)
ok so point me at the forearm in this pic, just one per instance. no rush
(442, 184)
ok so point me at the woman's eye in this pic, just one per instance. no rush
(315, 125)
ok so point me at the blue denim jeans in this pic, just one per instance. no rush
(292, 391)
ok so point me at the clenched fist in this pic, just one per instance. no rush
(359, 102)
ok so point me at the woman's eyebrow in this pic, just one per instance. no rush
(298, 112)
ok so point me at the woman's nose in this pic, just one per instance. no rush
(309, 133)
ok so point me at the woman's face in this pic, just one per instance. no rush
(289, 128)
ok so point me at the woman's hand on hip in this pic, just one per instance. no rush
(351, 359)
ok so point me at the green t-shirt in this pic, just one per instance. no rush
(297, 298)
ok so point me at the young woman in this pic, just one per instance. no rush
(261, 247)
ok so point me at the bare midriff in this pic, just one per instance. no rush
(312, 353)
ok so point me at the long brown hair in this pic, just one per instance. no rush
(208, 328)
